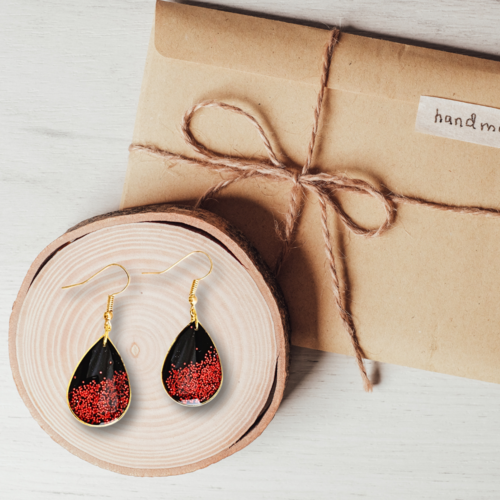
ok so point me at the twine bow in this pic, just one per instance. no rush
(322, 185)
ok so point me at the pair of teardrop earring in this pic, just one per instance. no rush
(99, 391)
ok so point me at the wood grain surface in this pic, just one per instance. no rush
(240, 305)
(69, 84)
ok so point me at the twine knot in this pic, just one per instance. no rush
(296, 178)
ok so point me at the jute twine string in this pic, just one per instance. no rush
(322, 185)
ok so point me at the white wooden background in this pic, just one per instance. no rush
(70, 74)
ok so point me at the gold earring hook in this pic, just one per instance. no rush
(108, 315)
(192, 294)
(99, 272)
(184, 258)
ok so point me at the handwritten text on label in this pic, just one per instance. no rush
(459, 120)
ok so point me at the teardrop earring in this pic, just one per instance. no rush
(99, 391)
(192, 371)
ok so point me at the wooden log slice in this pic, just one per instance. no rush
(239, 304)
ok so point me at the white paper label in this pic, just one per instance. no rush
(459, 120)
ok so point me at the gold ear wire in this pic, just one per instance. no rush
(108, 315)
(192, 294)
(99, 272)
(184, 258)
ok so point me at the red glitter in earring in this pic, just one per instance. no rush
(101, 402)
(197, 382)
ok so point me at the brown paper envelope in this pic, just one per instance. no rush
(426, 293)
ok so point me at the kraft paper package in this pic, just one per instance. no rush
(426, 294)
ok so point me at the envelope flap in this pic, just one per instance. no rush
(405, 72)
(239, 42)
(294, 52)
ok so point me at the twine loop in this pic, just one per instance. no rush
(322, 185)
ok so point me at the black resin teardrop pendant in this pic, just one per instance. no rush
(192, 371)
(99, 390)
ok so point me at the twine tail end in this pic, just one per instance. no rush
(367, 385)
